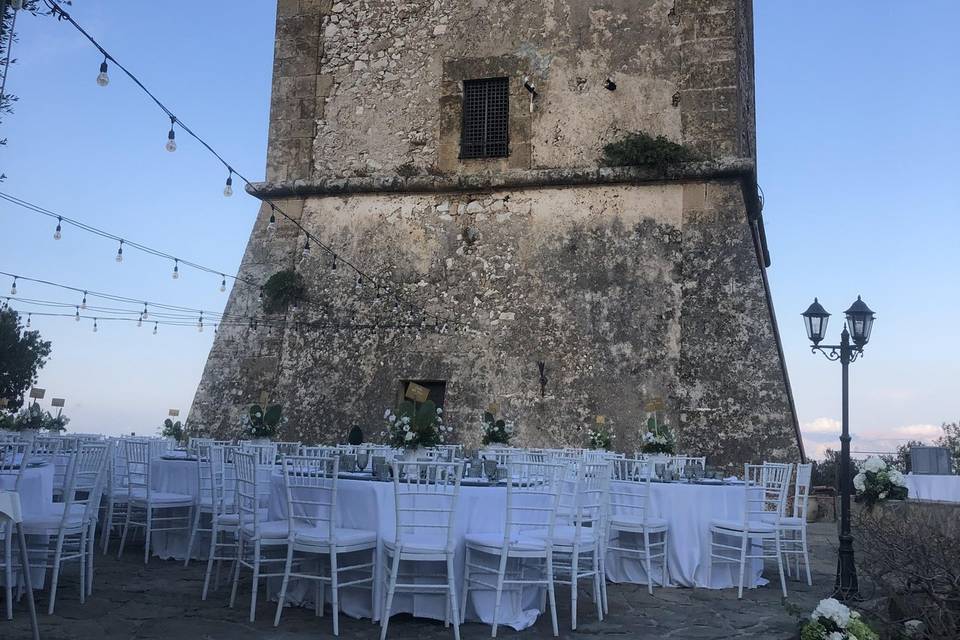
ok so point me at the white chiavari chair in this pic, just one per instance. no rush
(143, 500)
(425, 502)
(577, 545)
(633, 529)
(224, 520)
(256, 534)
(765, 488)
(209, 475)
(311, 492)
(116, 492)
(14, 457)
(70, 524)
(533, 490)
(266, 453)
(793, 527)
(287, 448)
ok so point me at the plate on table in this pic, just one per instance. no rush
(355, 475)
(476, 482)
(174, 457)
(710, 481)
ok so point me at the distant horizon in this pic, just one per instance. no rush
(856, 145)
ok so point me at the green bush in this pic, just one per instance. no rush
(640, 149)
(282, 290)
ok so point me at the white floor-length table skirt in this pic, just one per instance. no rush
(688, 508)
(932, 487)
(180, 476)
(36, 500)
(369, 505)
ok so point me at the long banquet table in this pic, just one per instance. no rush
(933, 487)
(689, 508)
(369, 505)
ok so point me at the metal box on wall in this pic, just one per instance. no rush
(930, 460)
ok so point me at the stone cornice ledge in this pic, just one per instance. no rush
(727, 168)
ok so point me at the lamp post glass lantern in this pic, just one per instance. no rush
(859, 323)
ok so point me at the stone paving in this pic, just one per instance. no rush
(133, 601)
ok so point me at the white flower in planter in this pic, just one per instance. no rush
(832, 609)
(874, 464)
(896, 478)
(859, 481)
(392, 418)
(386, 414)
(409, 436)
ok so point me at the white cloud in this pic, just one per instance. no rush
(824, 433)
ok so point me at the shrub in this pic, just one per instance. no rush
(642, 149)
(283, 289)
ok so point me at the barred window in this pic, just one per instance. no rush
(485, 130)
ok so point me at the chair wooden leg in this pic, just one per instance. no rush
(465, 588)
(597, 597)
(806, 555)
(388, 602)
(649, 563)
(743, 562)
(256, 580)
(91, 545)
(8, 570)
(501, 576)
(211, 557)
(334, 592)
(552, 595)
(193, 533)
(236, 572)
(283, 587)
(83, 566)
(126, 529)
(452, 597)
(574, 570)
(108, 523)
(56, 574)
(25, 565)
(148, 534)
(783, 581)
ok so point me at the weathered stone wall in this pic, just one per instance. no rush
(630, 287)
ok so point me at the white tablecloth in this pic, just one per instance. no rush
(36, 499)
(369, 505)
(939, 488)
(180, 476)
(688, 508)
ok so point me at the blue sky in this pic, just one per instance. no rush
(857, 130)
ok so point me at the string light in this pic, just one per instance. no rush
(28, 320)
(200, 323)
(272, 225)
(102, 78)
(57, 234)
(176, 269)
(13, 287)
(260, 295)
(171, 145)
(94, 325)
(140, 320)
(119, 257)
(144, 313)
(359, 283)
(228, 188)
(223, 283)
(77, 316)
(83, 303)
(333, 265)
(306, 249)
(214, 329)
(155, 325)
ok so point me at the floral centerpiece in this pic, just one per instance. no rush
(496, 431)
(33, 418)
(832, 620)
(600, 437)
(656, 438)
(412, 427)
(55, 423)
(262, 424)
(173, 430)
(877, 482)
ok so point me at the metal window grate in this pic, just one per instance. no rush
(486, 125)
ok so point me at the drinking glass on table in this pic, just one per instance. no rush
(362, 458)
(490, 470)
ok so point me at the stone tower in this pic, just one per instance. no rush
(453, 147)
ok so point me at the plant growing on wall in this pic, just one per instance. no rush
(283, 289)
(496, 431)
(639, 149)
(258, 422)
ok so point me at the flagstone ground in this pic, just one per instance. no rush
(162, 600)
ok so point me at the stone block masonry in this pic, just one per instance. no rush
(631, 284)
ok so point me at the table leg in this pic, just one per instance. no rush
(25, 566)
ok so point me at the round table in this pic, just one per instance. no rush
(36, 499)
(369, 505)
(181, 476)
(688, 509)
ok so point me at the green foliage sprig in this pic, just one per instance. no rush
(411, 426)
(642, 149)
(283, 289)
(22, 355)
(258, 422)
(496, 431)
(173, 430)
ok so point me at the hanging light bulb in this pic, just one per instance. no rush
(272, 225)
(223, 283)
(333, 265)
(144, 314)
(119, 257)
(260, 295)
(200, 323)
(155, 324)
(176, 269)
(83, 303)
(171, 145)
(228, 188)
(306, 249)
(94, 325)
(13, 287)
(28, 320)
(16, 5)
(214, 329)
(359, 283)
(56, 234)
(102, 78)
(140, 320)
(76, 317)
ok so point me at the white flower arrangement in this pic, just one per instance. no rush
(258, 422)
(656, 438)
(877, 481)
(496, 431)
(599, 437)
(832, 620)
(411, 427)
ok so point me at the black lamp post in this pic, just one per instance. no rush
(859, 324)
